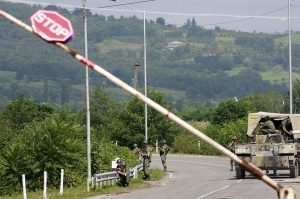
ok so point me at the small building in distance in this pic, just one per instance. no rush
(173, 44)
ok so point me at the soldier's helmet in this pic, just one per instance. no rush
(145, 142)
(119, 161)
(267, 118)
(164, 141)
(134, 145)
(234, 138)
(289, 120)
(124, 163)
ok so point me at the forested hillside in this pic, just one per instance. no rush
(212, 64)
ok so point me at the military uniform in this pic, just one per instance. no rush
(286, 125)
(137, 151)
(146, 153)
(231, 147)
(163, 154)
(124, 175)
(268, 128)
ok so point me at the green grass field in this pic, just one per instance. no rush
(235, 70)
(295, 39)
(112, 44)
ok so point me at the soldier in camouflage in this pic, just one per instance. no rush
(268, 127)
(231, 147)
(146, 153)
(163, 154)
(136, 150)
(124, 175)
(286, 125)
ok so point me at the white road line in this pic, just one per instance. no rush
(213, 192)
(218, 165)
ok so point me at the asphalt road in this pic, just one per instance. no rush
(195, 177)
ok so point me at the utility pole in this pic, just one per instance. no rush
(88, 131)
(136, 67)
(290, 60)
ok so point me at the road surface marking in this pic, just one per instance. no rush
(218, 165)
(213, 192)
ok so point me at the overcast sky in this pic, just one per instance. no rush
(237, 8)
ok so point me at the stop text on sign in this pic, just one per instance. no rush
(53, 26)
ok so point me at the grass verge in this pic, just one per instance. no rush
(82, 193)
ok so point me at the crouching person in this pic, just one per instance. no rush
(124, 175)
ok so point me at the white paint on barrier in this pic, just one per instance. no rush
(213, 192)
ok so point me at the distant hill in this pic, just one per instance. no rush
(211, 64)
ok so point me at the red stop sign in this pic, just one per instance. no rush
(52, 26)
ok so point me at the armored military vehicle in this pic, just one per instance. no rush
(274, 151)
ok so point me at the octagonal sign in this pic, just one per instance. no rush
(52, 26)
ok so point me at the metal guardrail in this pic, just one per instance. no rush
(101, 177)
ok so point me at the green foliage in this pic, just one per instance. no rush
(65, 91)
(51, 145)
(132, 117)
(18, 113)
(262, 43)
(103, 153)
(269, 102)
(223, 133)
(229, 111)
(103, 114)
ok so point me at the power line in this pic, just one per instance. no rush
(244, 19)
(164, 13)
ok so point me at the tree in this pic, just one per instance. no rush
(160, 21)
(104, 116)
(65, 91)
(22, 111)
(133, 125)
(230, 111)
(188, 23)
(218, 29)
(193, 22)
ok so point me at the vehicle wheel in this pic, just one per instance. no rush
(240, 173)
(294, 171)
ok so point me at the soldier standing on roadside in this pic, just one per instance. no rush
(163, 154)
(146, 160)
(231, 147)
(136, 150)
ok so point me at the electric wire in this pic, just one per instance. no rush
(244, 19)
(164, 13)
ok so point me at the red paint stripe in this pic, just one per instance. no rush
(88, 63)
(167, 115)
